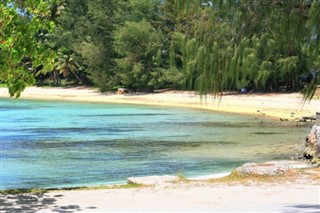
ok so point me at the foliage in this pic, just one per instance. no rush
(228, 45)
(312, 48)
(66, 65)
(84, 33)
(140, 49)
(24, 24)
(209, 46)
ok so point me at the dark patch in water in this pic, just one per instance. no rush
(123, 146)
(126, 115)
(179, 136)
(81, 130)
(12, 108)
(267, 133)
(25, 120)
(222, 124)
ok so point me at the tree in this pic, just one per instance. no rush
(139, 46)
(85, 30)
(66, 65)
(225, 45)
(209, 46)
(312, 47)
(64, 39)
(22, 24)
(142, 45)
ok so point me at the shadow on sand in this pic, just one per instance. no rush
(45, 203)
(27, 203)
(302, 208)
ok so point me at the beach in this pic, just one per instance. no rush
(283, 105)
(297, 193)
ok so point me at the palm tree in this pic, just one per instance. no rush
(66, 65)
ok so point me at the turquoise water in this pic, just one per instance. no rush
(57, 144)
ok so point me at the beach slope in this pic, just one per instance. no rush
(292, 196)
(285, 106)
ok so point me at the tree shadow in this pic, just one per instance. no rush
(30, 203)
(307, 208)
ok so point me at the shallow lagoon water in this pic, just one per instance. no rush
(59, 144)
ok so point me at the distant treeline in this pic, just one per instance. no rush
(209, 46)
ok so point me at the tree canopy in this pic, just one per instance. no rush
(206, 45)
(24, 27)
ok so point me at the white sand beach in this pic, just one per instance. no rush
(199, 197)
(285, 106)
(295, 195)
(300, 193)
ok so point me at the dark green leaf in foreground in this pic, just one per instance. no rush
(24, 24)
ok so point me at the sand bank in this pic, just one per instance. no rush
(301, 195)
(285, 106)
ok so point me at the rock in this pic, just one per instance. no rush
(293, 164)
(268, 168)
(282, 119)
(307, 119)
(312, 151)
(152, 180)
(121, 91)
(272, 167)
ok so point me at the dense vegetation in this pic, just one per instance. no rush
(209, 46)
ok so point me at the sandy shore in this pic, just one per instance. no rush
(296, 195)
(285, 106)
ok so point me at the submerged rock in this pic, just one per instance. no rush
(312, 151)
(152, 180)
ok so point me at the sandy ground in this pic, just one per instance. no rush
(285, 106)
(302, 195)
(290, 196)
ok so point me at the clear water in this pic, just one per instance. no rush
(57, 144)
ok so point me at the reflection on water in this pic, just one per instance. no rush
(56, 144)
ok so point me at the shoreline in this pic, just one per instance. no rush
(294, 165)
(120, 183)
(288, 106)
(252, 195)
